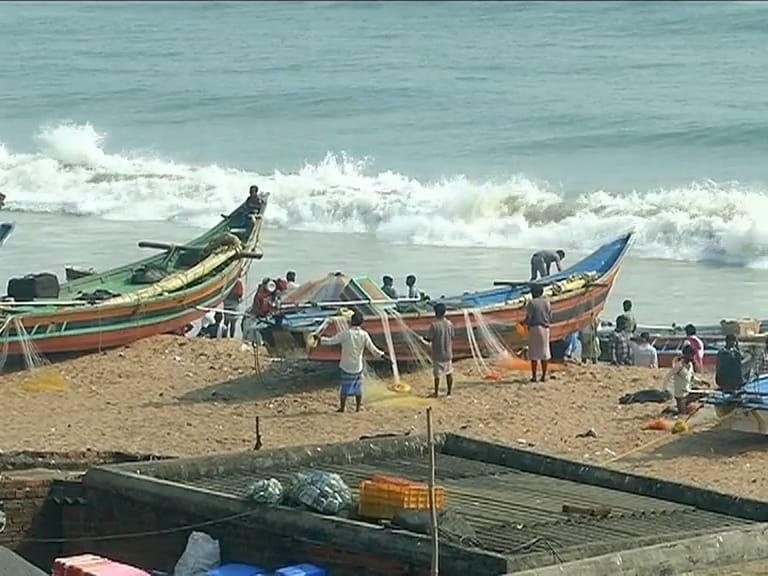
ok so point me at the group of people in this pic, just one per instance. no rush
(270, 291)
(265, 300)
(626, 346)
(411, 291)
(732, 369)
(354, 342)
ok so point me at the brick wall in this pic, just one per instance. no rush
(29, 515)
(81, 520)
(241, 541)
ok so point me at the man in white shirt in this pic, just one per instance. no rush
(354, 341)
(644, 354)
(413, 292)
(290, 278)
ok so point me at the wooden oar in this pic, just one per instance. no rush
(169, 247)
(516, 284)
(47, 303)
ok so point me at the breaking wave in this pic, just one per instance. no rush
(73, 173)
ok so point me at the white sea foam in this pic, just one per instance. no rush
(73, 173)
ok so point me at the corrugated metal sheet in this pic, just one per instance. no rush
(518, 512)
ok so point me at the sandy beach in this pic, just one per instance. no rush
(174, 396)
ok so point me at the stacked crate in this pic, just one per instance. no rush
(382, 497)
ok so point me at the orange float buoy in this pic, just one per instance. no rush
(521, 329)
(492, 375)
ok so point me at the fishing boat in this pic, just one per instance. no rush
(156, 295)
(745, 410)
(577, 294)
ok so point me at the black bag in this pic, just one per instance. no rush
(32, 286)
(148, 274)
(46, 285)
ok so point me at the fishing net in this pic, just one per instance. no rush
(493, 343)
(421, 359)
(397, 393)
(486, 373)
(41, 375)
(496, 352)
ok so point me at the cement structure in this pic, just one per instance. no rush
(512, 498)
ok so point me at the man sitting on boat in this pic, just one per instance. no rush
(254, 201)
(290, 278)
(541, 263)
(388, 286)
(354, 342)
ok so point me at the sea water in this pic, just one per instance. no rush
(449, 140)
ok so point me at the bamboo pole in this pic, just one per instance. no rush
(435, 570)
(344, 303)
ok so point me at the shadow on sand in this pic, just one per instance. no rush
(274, 381)
(713, 443)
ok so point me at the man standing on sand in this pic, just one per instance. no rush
(541, 263)
(621, 350)
(697, 345)
(440, 337)
(629, 317)
(538, 318)
(354, 342)
(232, 308)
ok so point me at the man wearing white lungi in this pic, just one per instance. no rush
(354, 342)
(538, 317)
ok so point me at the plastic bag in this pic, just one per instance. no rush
(201, 554)
(323, 492)
(266, 491)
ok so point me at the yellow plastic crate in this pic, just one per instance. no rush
(385, 499)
